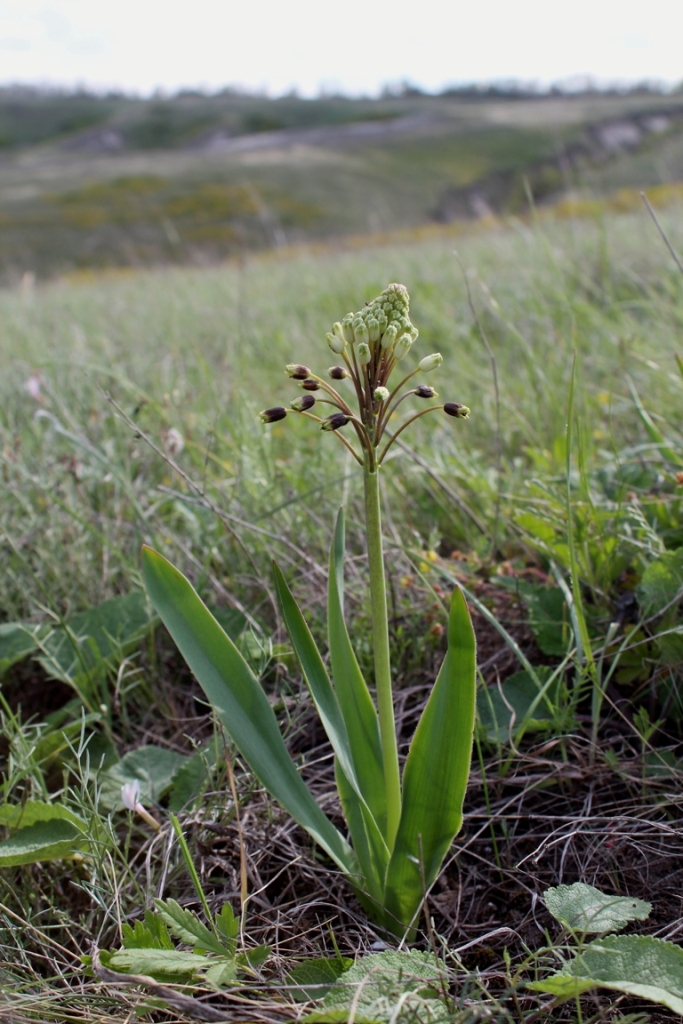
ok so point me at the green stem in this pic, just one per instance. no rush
(380, 637)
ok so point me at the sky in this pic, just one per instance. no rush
(356, 46)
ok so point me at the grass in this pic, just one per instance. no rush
(117, 360)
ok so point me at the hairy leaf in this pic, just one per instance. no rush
(586, 909)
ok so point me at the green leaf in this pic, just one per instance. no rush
(154, 768)
(586, 909)
(44, 840)
(239, 701)
(17, 641)
(522, 697)
(165, 965)
(354, 698)
(548, 617)
(661, 582)
(436, 773)
(20, 815)
(327, 705)
(231, 620)
(639, 965)
(187, 926)
(222, 973)
(151, 933)
(251, 959)
(313, 979)
(228, 926)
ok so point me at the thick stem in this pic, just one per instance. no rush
(380, 637)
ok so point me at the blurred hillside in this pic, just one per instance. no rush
(90, 181)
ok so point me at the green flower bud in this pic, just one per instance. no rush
(310, 385)
(381, 394)
(334, 422)
(424, 391)
(382, 321)
(338, 372)
(373, 329)
(430, 362)
(336, 343)
(278, 412)
(297, 371)
(363, 353)
(303, 404)
(414, 333)
(461, 412)
(389, 336)
(338, 330)
(360, 331)
(347, 328)
(402, 346)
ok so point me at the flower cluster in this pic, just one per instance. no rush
(371, 343)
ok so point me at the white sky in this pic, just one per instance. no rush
(355, 46)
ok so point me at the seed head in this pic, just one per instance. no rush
(338, 372)
(381, 394)
(334, 422)
(461, 412)
(430, 362)
(303, 404)
(297, 372)
(278, 412)
(310, 385)
(424, 391)
(336, 343)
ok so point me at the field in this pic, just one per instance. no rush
(129, 414)
(87, 182)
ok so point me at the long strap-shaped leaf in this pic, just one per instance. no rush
(436, 772)
(325, 698)
(354, 697)
(239, 700)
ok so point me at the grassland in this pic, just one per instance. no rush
(98, 374)
(192, 180)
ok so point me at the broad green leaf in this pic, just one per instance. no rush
(21, 815)
(639, 965)
(327, 705)
(228, 926)
(661, 582)
(548, 617)
(239, 701)
(187, 926)
(436, 772)
(232, 620)
(251, 959)
(390, 986)
(313, 979)
(193, 774)
(150, 933)
(354, 698)
(522, 697)
(586, 909)
(373, 871)
(154, 768)
(222, 973)
(44, 840)
(17, 641)
(165, 965)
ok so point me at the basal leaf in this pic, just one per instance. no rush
(313, 979)
(436, 772)
(239, 701)
(586, 909)
(165, 965)
(150, 933)
(187, 926)
(638, 965)
(17, 641)
(153, 767)
(518, 703)
(661, 582)
(44, 840)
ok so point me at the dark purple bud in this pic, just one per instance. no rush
(338, 372)
(297, 371)
(461, 412)
(278, 412)
(335, 421)
(310, 385)
(424, 391)
(303, 404)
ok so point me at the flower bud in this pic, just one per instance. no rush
(310, 385)
(297, 371)
(461, 412)
(278, 412)
(347, 328)
(338, 372)
(430, 362)
(424, 391)
(338, 330)
(360, 332)
(381, 394)
(336, 343)
(303, 404)
(373, 329)
(334, 422)
(389, 336)
(402, 346)
(414, 333)
(382, 321)
(363, 353)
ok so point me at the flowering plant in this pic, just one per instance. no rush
(401, 825)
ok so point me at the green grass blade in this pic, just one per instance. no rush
(325, 698)
(239, 701)
(353, 695)
(436, 772)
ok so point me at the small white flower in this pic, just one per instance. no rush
(32, 385)
(174, 441)
(130, 794)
